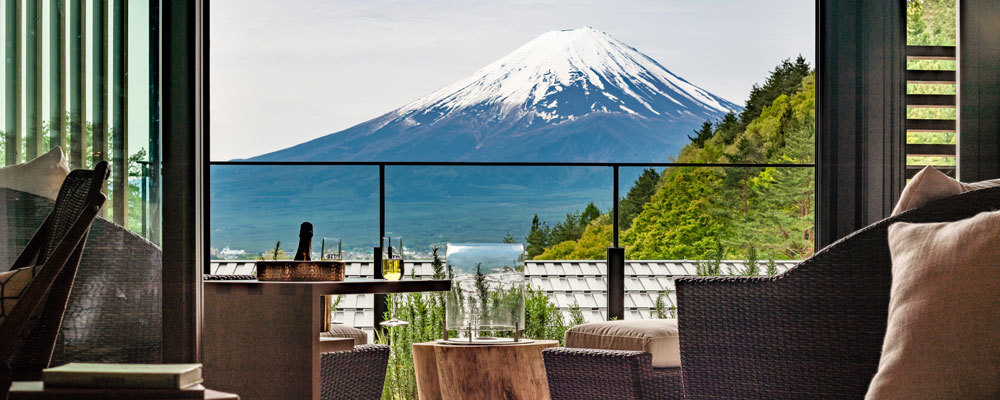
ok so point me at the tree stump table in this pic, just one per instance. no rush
(494, 371)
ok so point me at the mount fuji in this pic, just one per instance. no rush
(567, 96)
(572, 96)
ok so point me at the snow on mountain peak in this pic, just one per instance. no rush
(584, 69)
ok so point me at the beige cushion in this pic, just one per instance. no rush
(930, 184)
(654, 336)
(12, 285)
(943, 335)
(42, 176)
(344, 331)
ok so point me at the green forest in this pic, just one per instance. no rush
(688, 212)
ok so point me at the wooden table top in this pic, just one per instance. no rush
(355, 286)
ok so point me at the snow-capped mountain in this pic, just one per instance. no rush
(570, 95)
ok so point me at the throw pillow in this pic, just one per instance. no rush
(943, 335)
(42, 176)
(930, 184)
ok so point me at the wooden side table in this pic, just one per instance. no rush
(262, 339)
(503, 371)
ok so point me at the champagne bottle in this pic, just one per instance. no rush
(305, 242)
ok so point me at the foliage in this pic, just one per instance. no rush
(593, 243)
(508, 238)
(436, 263)
(772, 267)
(750, 265)
(686, 212)
(711, 266)
(537, 239)
(642, 190)
(930, 23)
(426, 314)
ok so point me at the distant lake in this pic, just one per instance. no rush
(253, 206)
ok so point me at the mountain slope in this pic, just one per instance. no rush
(572, 95)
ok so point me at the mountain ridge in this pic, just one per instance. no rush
(569, 95)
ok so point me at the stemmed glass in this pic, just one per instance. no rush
(393, 269)
(327, 251)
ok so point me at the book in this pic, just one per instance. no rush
(136, 376)
(37, 391)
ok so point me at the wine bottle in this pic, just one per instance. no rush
(305, 242)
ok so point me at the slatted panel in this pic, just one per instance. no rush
(929, 77)
(930, 52)
(934, 151)
(930, 125)
(930, 150)
(930, 100)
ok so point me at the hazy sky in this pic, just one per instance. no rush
(286, 71)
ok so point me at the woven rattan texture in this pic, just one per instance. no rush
(813, 332)
(356, 374)
(114, 311)
(608, 374)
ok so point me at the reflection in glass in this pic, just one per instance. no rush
(487, 289)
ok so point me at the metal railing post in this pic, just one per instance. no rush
(616, 261)
(379, 302)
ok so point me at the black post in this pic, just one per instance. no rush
(614, 210)
(379, 305)
(616, 283)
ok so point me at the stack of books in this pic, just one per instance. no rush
(134, 381)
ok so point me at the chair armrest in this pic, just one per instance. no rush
(575, 373)
(814, 332)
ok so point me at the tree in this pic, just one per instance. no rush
(436, 263)
(537, 239)
(568, 230)
(508, 238)
(638, 195)
(702, 134)
(590, 213)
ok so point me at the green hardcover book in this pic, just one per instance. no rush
(138, 376)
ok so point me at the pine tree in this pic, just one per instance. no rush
(436, 263)
(702, 134)
(590, 213)
(640, 193)
(508, 238)
(537, 239)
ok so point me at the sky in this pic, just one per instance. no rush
(286, 71)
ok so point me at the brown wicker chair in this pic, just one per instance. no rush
(117, 287)
(356, 374)
(814, 332)
(28, 334)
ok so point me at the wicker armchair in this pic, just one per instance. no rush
(117, 287)
(28, 332)
(356, 374)
(813, 332)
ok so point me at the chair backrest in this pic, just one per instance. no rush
(27, 336)
(815, 331)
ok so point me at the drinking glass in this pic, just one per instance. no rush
(331, 249)
(393, 267)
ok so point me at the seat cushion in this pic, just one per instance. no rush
(930, 184)
(941, 340)
(657, 337)
(42, 176)
(12, 285)
(344, 331)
